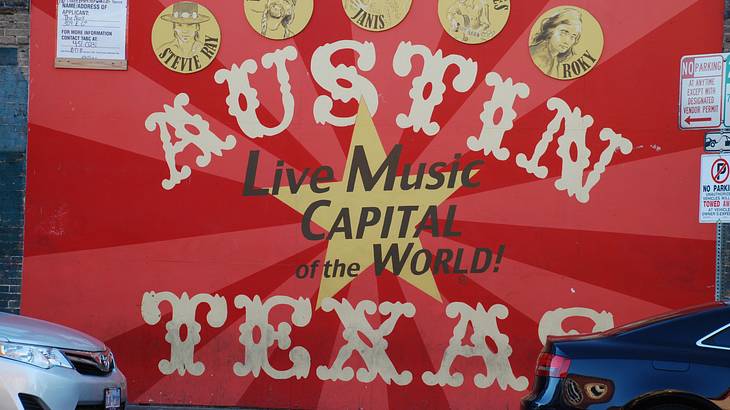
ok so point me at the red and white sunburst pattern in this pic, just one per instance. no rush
(101, 231)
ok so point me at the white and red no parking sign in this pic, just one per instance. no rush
(719, 171)
(701, 91)
(715, 189)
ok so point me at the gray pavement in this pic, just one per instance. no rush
(160, 407)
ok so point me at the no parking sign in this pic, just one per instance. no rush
(715, 189)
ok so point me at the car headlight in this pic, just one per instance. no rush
(43, 357)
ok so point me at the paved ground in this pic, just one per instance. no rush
(153, 407)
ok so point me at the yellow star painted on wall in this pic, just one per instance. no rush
(360, 249)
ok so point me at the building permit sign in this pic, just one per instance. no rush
(92, 34)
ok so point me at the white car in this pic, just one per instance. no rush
(46, 366)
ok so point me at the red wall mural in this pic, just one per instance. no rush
(350, 218)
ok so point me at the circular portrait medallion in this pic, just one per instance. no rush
(566, 42)
(278, 19)
(473, 21)
(376, 15)
(186, 37)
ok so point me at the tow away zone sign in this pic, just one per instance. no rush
(701, 91)
(715, 188)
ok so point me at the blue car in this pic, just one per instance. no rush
(677, 361)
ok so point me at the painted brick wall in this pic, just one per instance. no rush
(15, 29)
(12, 191)
(14, 40)
(14, 34)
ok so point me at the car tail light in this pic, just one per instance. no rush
(550, 365)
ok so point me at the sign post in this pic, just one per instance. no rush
(703, 103)
(726, 94)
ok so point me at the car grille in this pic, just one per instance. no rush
(34, 403)
(91, 363)
(31, 402)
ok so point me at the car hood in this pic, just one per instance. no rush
(21, 329)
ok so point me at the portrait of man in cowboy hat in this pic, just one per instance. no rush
(186, 21)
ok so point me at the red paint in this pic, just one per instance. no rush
(100, 227)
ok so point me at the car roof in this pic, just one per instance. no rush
(678, 324)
